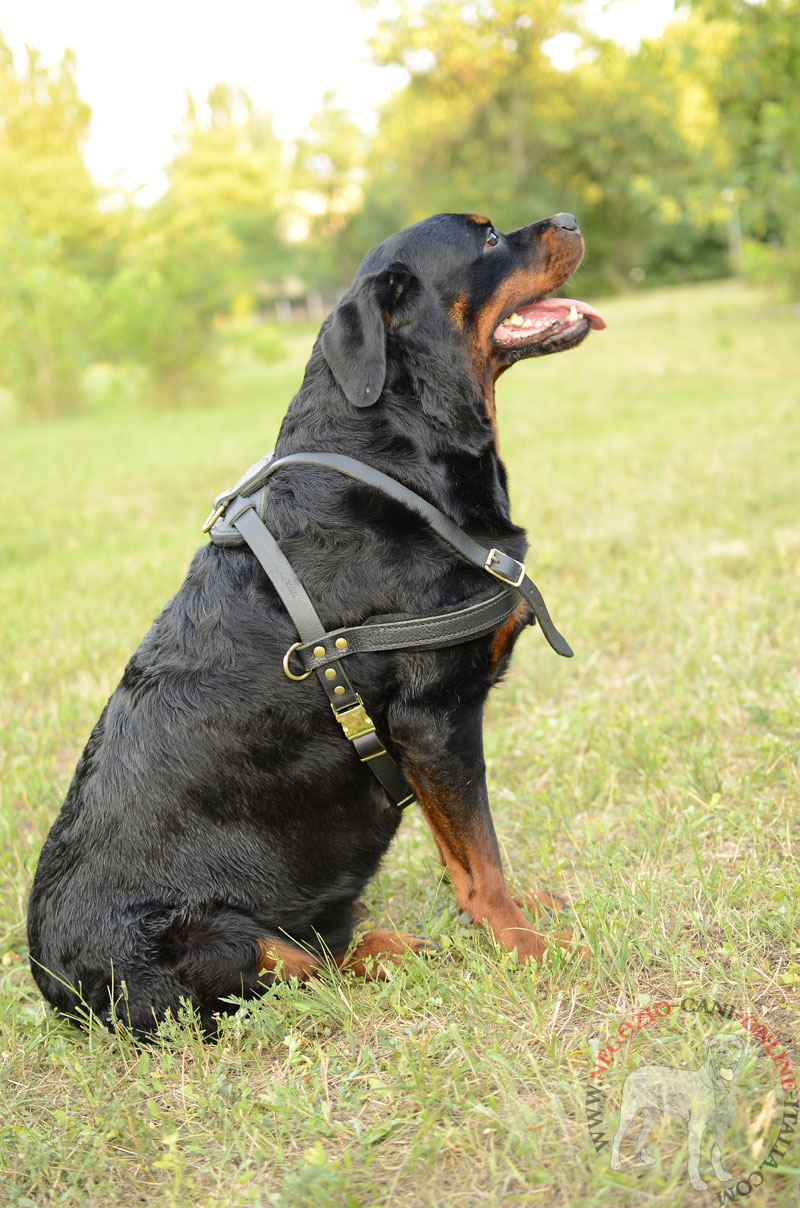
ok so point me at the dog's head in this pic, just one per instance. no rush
(453, 289)
(724, 1056)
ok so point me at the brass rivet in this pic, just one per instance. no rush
(341, 643)
(339, 691)
(330, 673)
(319, 652)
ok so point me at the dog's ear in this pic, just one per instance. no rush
(354, 344)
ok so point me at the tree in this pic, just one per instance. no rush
(754, 84)
(46, 321)
(209, 241)
(646, 161)
(484, 106)
(487, 122)
(43, 128)
(327, 175)
(161, 303)
(50, 233)
(229, 171)
(628, 141)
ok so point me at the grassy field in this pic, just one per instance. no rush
(654, 778)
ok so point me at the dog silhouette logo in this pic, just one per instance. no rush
(702, 1100)
(743, 1091)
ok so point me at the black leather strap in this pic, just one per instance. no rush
(418, 633)
(281, 573)
(502, 566)
(347, 706)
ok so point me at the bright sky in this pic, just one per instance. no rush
(136, 63)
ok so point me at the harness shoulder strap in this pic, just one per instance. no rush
(346, 704)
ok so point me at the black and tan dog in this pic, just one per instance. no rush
(218, 827)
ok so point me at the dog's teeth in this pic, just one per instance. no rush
(515, 320)
(572, 317)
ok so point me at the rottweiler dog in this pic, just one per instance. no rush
(219, 829)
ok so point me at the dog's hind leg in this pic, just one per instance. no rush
(627, 1111)
(278, 958)
(376, 948)
(218, 954)
(649, 1121)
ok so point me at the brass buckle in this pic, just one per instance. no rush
(213, 517)
(354, 721)
(493, 556)
(290, 674)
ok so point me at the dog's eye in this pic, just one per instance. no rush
(492, 238)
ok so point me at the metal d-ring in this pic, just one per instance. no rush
(290, 674)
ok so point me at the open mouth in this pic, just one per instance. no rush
(548, 325)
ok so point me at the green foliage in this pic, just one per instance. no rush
(43, 128)
(228, 172)
(50, 230)
(625, 140)
(209, 240)
(46, 322)
(755, 89)
(160, 304)
(681, 160)
(328, 171)
(254, 341)
(484, 108)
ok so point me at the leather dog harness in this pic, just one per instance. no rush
(238, 517)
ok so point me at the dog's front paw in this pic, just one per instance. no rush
(540, 903)
(534, 945)
(547, 907)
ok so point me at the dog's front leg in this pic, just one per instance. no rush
(444, 764)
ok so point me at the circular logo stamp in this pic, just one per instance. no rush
(674, 1074)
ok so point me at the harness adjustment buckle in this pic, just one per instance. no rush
(355, 721)
(509, 566)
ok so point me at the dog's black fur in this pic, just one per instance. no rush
(218, 822)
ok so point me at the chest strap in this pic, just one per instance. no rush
(431, 632)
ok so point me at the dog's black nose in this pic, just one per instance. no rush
(565, 222)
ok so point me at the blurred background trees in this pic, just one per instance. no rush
(681, 159)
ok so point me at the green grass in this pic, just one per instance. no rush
(654, 778)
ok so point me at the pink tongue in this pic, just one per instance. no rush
(558, 308)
